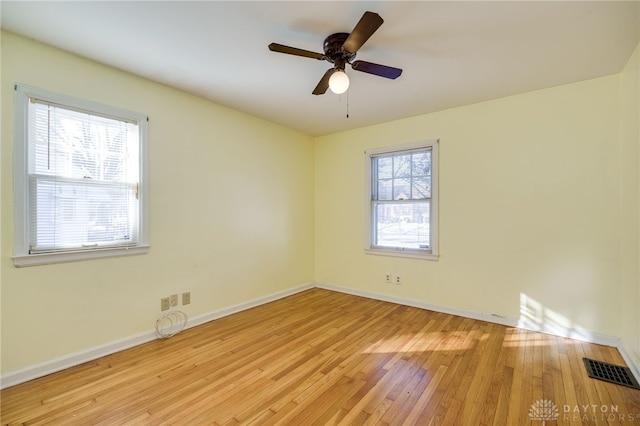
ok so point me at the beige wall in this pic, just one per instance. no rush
(630, 211)
(529, 205)
(231, 214)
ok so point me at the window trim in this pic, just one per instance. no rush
(21, 256)
(433, 253)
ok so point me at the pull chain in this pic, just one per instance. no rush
(347, 104)
(340, 100)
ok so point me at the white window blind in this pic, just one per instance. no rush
(82, 181)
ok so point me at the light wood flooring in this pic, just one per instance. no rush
(322, 357)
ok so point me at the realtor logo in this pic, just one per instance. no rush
(544, 410)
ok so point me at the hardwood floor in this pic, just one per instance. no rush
(321, 357)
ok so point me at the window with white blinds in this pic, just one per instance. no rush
(403, 200)
(81, 180)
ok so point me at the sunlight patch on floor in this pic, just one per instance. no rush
(429, 341)
(520, 338)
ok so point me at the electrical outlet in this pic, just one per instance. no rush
(174, 300)
(186, 298)
(387, 278)
(398, 280)
(165, 303)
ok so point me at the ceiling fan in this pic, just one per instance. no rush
(340, 49)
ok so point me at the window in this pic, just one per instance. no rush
(79, 179)
(403, 200)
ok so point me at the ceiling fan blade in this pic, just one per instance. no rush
(364, 29)
(323, 84)
(377, 69)
(275, 47)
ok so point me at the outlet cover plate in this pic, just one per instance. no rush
(165, 303)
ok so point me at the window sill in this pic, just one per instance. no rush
(74, 256)
(401, 253)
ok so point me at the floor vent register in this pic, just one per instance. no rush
(610, 373)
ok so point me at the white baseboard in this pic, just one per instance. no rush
(572, 333)
(39, 370)
(205, 318)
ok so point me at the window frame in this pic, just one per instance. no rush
(21, 256)
(426, 254)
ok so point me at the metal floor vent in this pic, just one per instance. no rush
(610, 373)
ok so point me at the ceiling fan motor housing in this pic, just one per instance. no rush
(334, 52)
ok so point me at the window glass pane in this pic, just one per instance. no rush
(385, 187)
(403, 225)
(80, 145)
(421, 188)
(401, 189)
(384, 167)
(420, 163)
(402, 165)
(402, 176)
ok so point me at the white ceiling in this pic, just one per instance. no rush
(453, 53)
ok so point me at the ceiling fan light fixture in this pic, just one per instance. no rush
(340, 49)
(339, 82)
